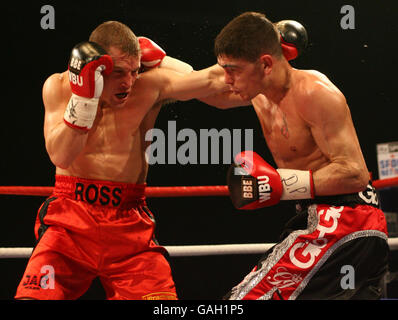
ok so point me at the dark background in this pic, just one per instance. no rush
(361, 62)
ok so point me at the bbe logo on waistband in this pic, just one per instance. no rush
(92, 194)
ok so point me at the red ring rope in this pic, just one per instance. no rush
(152, 192)
(384, 183)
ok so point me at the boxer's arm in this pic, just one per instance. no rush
(206, 85)
(77, 96)
(63, 143)
(225, 100)
(328, 116)
(222, 99)
(176, 65)
(153, 56)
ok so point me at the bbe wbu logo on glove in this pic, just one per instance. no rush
(254, 184)
(87, 65)
(75, 64)
(88, 61)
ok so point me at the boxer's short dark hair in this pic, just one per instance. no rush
(248, 36)
(116, 34)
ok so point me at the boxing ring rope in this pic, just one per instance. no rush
(187, 251)
(175, 251)
(158, 192)
(150, 192)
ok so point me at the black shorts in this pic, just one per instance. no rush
(325, 252)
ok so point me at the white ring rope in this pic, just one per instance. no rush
(187, 251)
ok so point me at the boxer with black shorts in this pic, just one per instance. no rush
(308, 128)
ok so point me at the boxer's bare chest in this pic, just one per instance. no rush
(115, 148)
(288, 137)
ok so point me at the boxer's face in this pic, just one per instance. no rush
(244, 78)
(118, 85)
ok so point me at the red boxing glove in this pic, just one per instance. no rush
(87, 63)
(294, 38)
(151, 54)
(254, 184)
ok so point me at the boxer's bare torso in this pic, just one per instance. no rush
(287, 134)
(114, 148)
(311, 128)
(305, 120)
(115, 145)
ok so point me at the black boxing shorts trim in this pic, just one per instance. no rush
(367, 197)
(297, 259)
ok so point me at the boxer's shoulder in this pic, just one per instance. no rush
(56, 88)
(313, 91)
(144, 94)
(57, 82)
(154, 77)
(150, 84)
(310, 83)
(149, 80)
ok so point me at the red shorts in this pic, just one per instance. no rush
(312, 260)
(90, 229)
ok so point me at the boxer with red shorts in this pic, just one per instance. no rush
(88, 229)
(97, 114)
